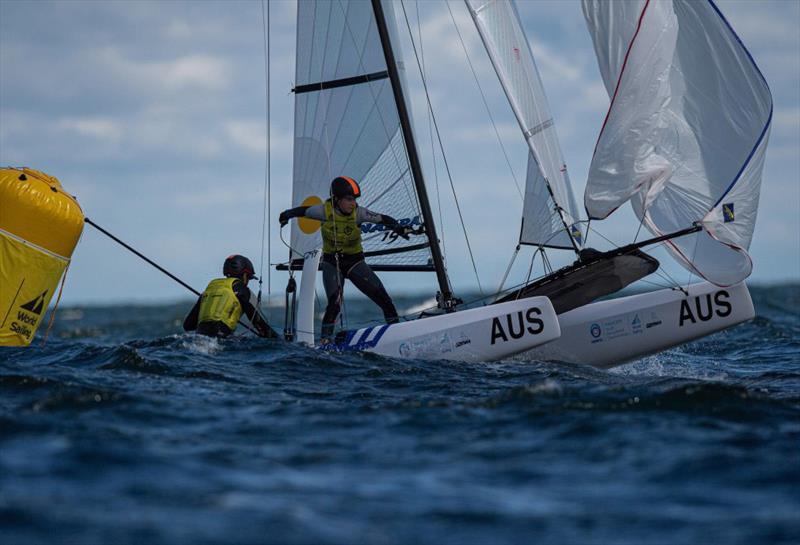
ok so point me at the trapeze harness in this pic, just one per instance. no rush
(343, 257)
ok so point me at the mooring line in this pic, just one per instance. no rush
(153, 263)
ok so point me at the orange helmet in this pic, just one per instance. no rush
(342, 186)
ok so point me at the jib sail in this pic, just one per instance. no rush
(686, 131)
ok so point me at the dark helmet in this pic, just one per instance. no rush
(236, 265)
(345, 187)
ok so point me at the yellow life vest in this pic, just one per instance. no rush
(340, 233)
(220, 304)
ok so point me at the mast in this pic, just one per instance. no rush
(413, 157)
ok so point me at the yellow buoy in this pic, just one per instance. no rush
(40, 225)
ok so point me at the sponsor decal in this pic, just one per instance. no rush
(517, 324)
(367, 228)
(653, 321)
(636, 324)
(727, 212)
(463, 340)
(28, 316)
(404, 350)
(575, 229)
(445, 344)
(705, 307)
(426, 346)
(595, 330)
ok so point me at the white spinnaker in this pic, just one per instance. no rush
(498, 23)
(686, 132)
(346, 124)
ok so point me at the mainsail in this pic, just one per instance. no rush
(550, 214)
(686, 132)
(347, 123)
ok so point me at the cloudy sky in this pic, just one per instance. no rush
(153, 114)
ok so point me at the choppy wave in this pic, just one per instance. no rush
(123, 429)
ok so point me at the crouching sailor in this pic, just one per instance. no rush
(342, 253)
(220, 306)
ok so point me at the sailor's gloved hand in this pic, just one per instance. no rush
(284, 218)
(403, 231)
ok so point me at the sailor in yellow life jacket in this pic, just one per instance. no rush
(220, 306)
(342, 253)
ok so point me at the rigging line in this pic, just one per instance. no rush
(370, 86)
(485, 102)
(140, 255)
(694, 256)
(433, 145)
(546, 262)
(641, 222)
(441, 147)
(530, 269)
(266, 225)
(662, 274)
(508, 269)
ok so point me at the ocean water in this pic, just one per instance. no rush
(121, 429)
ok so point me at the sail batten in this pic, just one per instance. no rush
(551, 217)
(342, 82)
(686, 132)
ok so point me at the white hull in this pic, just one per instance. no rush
(609, 333)
(481, 334)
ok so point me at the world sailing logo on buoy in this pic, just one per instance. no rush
(28, 316)
(35, 305)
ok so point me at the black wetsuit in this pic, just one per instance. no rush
(350, 266)
(354, 268)
(219, 329)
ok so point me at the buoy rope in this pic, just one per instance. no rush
(55, 307)
(154, 264)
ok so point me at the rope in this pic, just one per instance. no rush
(641, 222)
(266, 226)
(154, 264)
(664, 275)
(441, 146)
(548, 267)
(433, 145)
(55, 307)
(508, 269)
(483, 98)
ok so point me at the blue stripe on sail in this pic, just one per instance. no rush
(769, 119)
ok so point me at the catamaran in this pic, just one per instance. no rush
(684, 141)
(352, 118)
